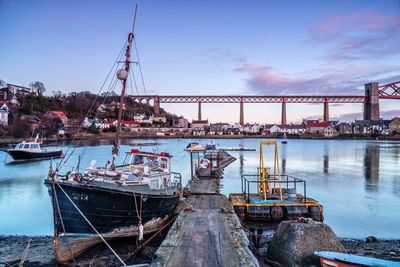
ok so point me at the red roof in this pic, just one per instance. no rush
(318, 124)
(58, 113)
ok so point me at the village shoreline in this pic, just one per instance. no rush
(4, 142)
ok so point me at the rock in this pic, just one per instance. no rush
(294, 243)
(372, 239)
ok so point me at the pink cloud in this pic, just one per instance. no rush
(262, 79)
(370, 21)
(359, 35)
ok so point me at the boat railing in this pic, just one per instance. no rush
(289, 184)
(176, 179)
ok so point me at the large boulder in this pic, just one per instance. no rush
(294, 243)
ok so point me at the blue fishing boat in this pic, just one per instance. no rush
(329, 259)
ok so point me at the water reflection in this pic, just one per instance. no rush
(241, 162)
(343, 175)
(326, 159)
(283, 155)
(371, 166)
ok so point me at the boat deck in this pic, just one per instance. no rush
(258, 200)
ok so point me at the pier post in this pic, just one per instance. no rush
(326, 110)
(241, 116)
(371, 105)
(283, 117)
(157, 105)
(199, 112)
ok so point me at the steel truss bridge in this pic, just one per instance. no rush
(373, 92)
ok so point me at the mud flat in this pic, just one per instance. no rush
(41, 253)
(383, 249)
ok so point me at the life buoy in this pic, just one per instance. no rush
(205, 163)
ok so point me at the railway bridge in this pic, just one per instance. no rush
(373, 92)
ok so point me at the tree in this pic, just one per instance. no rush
(2, 83)
(38, 86)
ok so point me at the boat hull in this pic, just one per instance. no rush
(336, 259)
(34, 155)
(113, 213)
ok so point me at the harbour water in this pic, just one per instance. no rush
(357, 181)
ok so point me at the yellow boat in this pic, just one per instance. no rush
(271, 196)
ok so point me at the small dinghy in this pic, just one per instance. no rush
(329, 259)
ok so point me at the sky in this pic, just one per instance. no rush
(210, 48)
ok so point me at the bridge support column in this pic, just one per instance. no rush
(326, 110)
(241, 116)
(157, 105)
(199, 112)
(371, 105)
(283, 116)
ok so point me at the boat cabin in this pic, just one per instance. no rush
(147, 162)
(28, 146)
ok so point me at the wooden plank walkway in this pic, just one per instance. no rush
(207, 231)
(211, 235)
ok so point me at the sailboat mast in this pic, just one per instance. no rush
(122, 74)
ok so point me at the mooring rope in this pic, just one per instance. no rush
(62, 221)
(91, 225)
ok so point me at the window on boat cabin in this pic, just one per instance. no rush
(164, 163)
(34, 146)
(26, 146)
(137, 159)
(20, 146)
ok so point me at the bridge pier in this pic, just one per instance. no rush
(283, 117)
(199, 112)
(157, 105)
(371, 105)
(241, 116)
(326, 110)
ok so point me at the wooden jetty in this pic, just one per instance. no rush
(207, 231)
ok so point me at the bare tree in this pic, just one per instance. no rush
(38, 86)
(2, 83)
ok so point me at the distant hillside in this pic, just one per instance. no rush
(78, 105)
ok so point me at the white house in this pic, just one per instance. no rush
(275, 129)
(4, 111)
(251, 128)
(293, 128)
(97, 123)
(139, 117)
(330, 131)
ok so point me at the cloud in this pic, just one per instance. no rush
(218, 55)
(359, 35)
(264, 79)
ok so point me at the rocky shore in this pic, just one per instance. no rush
(40, 252)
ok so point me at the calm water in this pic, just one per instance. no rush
(358, 182)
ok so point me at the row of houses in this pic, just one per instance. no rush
(139, 120)
(12, 93)
(310, 127)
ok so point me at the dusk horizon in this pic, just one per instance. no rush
(288, 48)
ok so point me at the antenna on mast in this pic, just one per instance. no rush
(134, 20)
